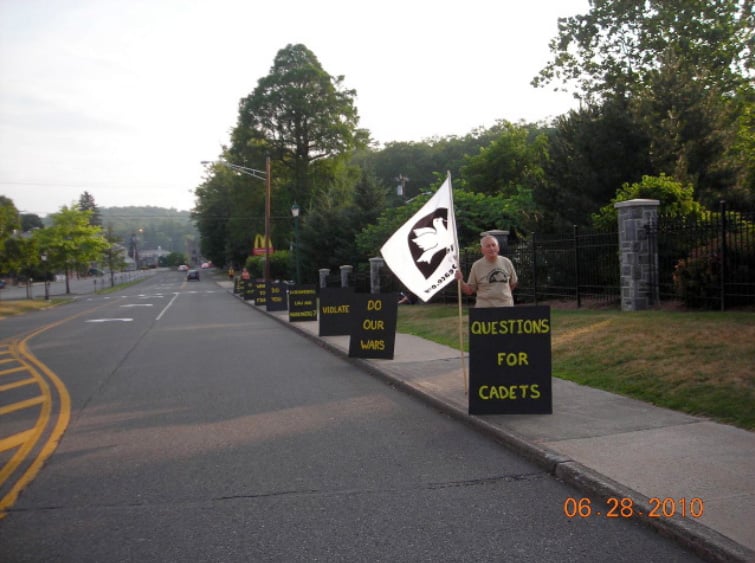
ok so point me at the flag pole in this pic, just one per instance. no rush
(461, 340)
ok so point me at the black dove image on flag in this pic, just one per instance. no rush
(423, 253)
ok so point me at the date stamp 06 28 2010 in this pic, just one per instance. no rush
(624, 507)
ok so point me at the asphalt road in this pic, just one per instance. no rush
(202, 430)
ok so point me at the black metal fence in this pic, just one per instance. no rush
(708, 263)
(582, 266)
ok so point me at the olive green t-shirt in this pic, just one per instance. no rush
(492, 282)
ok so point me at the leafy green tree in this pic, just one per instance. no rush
(229, 212)
(591, 154)
(306, 121)
(10, 224)
(682, 67)
(114, 256)
(30, 221)
(420, 162)
(475, 213)
(9, 218)
(299, 114)
(619, 45)
(675, 199)
(512, 161)
(328, 233)
(87, 203)
(71, 241)
(175, 259)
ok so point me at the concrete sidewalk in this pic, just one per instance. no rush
(604, 444)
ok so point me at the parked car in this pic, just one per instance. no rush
(192, 275)
(183, 268)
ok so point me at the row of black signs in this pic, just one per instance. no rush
(509, 347)
(369, 320)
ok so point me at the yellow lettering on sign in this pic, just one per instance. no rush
(372, 344)
(370, 324)
(335, 309)
(510, 392)
(512, 359)
(513, 326)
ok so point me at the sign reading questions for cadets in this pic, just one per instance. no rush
(277, 300)
(510, 360)
(335, 309)
(260, 292)
(302, 303)
(373, 325)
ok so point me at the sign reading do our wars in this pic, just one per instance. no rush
(510, 360)
(373, 325)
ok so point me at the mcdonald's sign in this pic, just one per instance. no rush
(259, 246)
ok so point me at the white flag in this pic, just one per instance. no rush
(423, 253)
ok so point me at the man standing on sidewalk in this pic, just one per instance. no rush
(492, 277)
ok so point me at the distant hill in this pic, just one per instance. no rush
(169, 229)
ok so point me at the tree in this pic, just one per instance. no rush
(305, 120)
(475, 213)
(300, 114)
(329, 231)
(71, 241)
(114, 254)
(9, 226)
(228, 213)
(682, 67)
(617, 47)
(86, 203)
(512, 161)
(591, 153)
(30, 221)
(676, 199)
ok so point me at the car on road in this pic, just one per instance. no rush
(183, 268)
(192, 275)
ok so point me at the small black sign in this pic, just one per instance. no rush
(260, 293)
(335, 310)
(247, 289)
(302, 303)
(510, 360)
(276, 296)
(373, 325)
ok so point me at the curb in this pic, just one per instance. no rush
(694, 536)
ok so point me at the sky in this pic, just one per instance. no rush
(124, 99)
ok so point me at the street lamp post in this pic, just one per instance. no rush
(260, 175)
(295, 212)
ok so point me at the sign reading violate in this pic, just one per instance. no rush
(335, 310)
(510, 360)
(373, 329)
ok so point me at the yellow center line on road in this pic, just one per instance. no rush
(27, 440)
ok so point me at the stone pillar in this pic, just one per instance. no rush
(638, 253)
(375, 264)
(501, 236)
(345, 271)
(324, 273)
